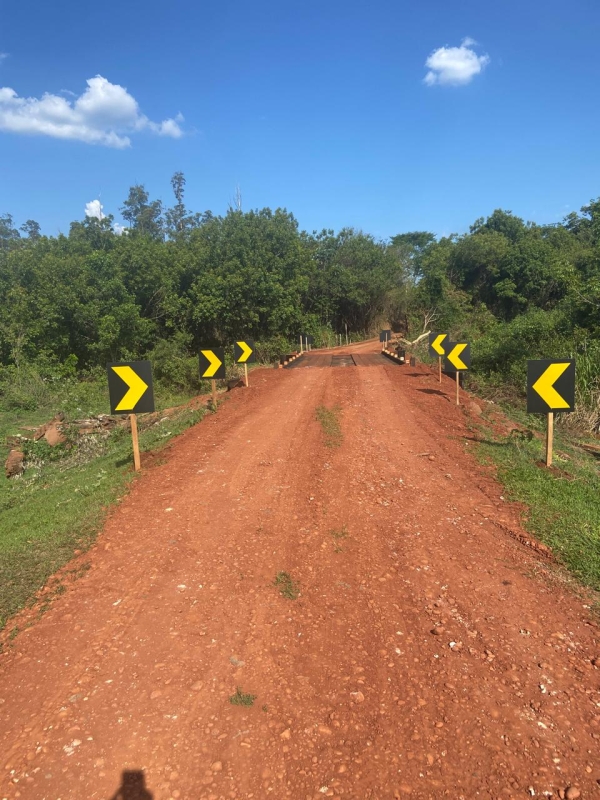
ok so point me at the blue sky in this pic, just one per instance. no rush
(319, 107)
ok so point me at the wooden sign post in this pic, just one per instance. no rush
(457, 360)
(243, 353)
(212, 365)
(437, 347)
(550, 388)
(135, 442)
(130, 391)
(549, 438)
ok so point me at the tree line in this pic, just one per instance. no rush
(519, 291)
(176, 279)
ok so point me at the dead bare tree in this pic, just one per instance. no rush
(235, 204)
(429, 317)
(416, 341)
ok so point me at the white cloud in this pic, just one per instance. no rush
(104, 114)
(455, 66)
(94, 209)
(3, 56)
(119, 229)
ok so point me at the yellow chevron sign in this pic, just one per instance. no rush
(459, 356)
(437, 348)
(137, 387)
(550, 385)
(130, 387)
(213, 363)
(243, 352)
(437, 343)
(544, 386)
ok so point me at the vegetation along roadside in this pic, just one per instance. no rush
(562, 503)
(56, 506)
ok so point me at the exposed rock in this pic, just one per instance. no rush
(54, 436)
(53, 423)
(14, 463)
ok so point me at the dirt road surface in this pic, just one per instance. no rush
(429, 653)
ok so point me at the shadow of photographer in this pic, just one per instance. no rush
(133, 787)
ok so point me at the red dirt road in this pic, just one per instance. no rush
(429, 654)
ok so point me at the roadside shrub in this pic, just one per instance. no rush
(173, 365)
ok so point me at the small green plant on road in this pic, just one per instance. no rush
(338, 535)
(329, 418)
(287, 587)
(242, 698)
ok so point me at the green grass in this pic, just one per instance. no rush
(59, 505)
(563, 502)
(242, 699)
(329, 418)
(287, 587)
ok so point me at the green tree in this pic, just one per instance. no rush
(9, 235)
(144, 217)
(32, 230)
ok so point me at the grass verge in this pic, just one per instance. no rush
(563, 502)
(58, 506)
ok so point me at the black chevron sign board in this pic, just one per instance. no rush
(458, 357)
(385, 336)
(212, 363)
(243, 352)
(437, 344)
(130, 392)
(550, 388)
(550, 385)
(130, 387)
(457, 360)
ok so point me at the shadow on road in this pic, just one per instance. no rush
(435, 391)
(133, 787)
(486, 441)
